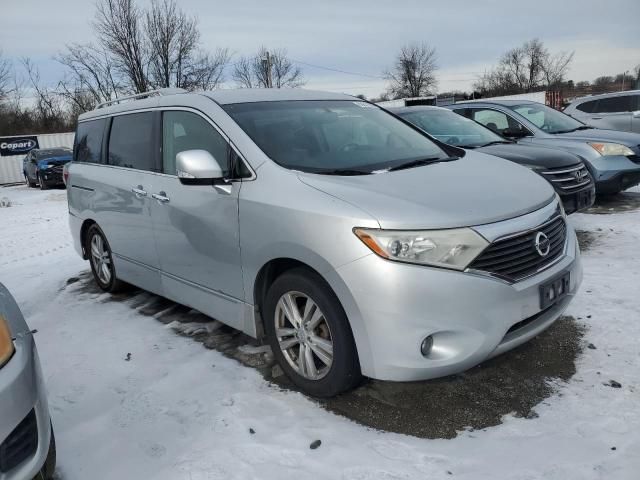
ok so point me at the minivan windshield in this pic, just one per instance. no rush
(547, 119)
(452, 128)
(333, 137)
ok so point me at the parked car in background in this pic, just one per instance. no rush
(615, 111)
(565, 171)
(344, 235)
(613, 158)
(43, 167)
(27, 445)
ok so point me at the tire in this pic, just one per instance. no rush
(49, 467)
(327, 325)
(28, 182)
(43, 185)
(104, 272)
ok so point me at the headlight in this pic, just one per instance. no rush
(453, 248)
(611, 149)
(50, 166)
(6, 344)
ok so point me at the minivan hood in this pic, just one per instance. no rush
(531, 155)
(473, 190)
(601, 135)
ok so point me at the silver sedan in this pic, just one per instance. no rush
(27, 445)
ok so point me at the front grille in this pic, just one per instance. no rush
(57, 169)
(20, 444)
(568, 179)
(516, 257)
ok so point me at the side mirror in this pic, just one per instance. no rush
(514, 133)
(636, 114)
(198, 167)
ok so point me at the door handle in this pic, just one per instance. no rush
(161, 197)
(596, 118)
(139, 191)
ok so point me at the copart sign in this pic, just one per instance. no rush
(17, 145)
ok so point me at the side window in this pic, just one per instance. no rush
(496, 121)
(615, 104)
(587, 107)
(88, 142)
(131, 142)
(187, 131)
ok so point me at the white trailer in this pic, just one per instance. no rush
(14, 148)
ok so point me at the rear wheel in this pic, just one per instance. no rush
(310, 335)
(101, 260)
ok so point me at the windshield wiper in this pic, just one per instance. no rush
(581, 127)
(420, 162)
(496, 142)
(343, 171)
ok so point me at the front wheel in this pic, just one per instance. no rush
(28, 182)
(43, 186)
(310, 335)
(101, 260)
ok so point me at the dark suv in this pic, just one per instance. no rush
(44, 166)
(565, 171)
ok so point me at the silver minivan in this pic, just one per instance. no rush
(614, 111)
(350, 240)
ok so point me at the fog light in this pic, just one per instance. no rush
(425, 347)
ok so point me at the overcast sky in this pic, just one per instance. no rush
(363, 36)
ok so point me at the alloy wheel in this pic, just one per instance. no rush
(303, 335)
(100, 258)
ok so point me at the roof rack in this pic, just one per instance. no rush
(160, 92)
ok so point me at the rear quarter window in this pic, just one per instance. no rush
(88, 142)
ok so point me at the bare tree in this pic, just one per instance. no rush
(267, 69)
(206, 71)
(414, 72)
(92, 78)
(243, 73)
(48, 107)
(556, 67)
(136, 50)
(524, 69)
(172, 41)
(5, 76)
(119, 26)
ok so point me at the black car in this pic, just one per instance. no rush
(565, 171)
(44, 166)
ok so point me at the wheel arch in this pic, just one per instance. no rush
(83, 236)
(275, 267)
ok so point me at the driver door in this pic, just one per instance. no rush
(500, 123)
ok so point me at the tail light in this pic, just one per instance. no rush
(65, 174)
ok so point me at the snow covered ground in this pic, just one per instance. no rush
(175, 410)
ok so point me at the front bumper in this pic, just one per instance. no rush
(393, 306)
(22, 391)
(51, 178)
(613, 174)
(577, 201)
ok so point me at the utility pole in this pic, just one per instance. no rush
(266, 65)
(623, 75)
